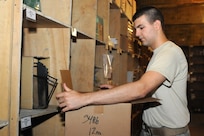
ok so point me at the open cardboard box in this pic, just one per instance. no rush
(100, 120)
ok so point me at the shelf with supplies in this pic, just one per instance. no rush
(99, 42)
(77, 34)
(29, 117)
(47, 33)
(36, 19)
(46, 38)
(194, 56)
(127, 7)
(196, 63)
(33, 113)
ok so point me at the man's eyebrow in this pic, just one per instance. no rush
(139, 26)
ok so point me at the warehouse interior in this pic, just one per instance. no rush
(85, 44)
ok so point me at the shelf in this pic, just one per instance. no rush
(98, 42)
(37, 112)
(3, 123)
(42, 21)
(81, 35)
(113, 5)
(76, 34)
(196, 71)
(196, 63)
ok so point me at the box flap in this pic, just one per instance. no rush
(145, 100)
(66, 78)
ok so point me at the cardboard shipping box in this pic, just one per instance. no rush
(102, 120)
(107, 120)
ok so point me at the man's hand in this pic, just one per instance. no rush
(69, 99)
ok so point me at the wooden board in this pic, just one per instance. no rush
(82, 65)
(59, 10)
(103, 7)
(114, 23)
(84, 16)
(10, 35)
(55, 46)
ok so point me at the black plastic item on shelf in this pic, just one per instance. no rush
(44, 86)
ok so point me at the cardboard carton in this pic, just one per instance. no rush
(107, 120)
(103, 120)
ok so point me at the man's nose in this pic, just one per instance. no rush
(137, 33)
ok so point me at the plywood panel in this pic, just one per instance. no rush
(82, 64)
(123, 26)
(115, 24)
(5, 55)
(52, 43)
(60, 10)
(84, 16)
(103, 11)
(124, 43)
(10, 37)
(15, 72)
(123, 68)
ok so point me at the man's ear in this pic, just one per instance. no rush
(157, 24)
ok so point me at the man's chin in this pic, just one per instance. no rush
(144, 44)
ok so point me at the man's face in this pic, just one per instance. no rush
(145, 31)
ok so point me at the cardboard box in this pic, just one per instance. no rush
(66, 78)
(105, 120)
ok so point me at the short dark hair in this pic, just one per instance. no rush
(152, 14)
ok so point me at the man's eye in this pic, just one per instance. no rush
(141, 28)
